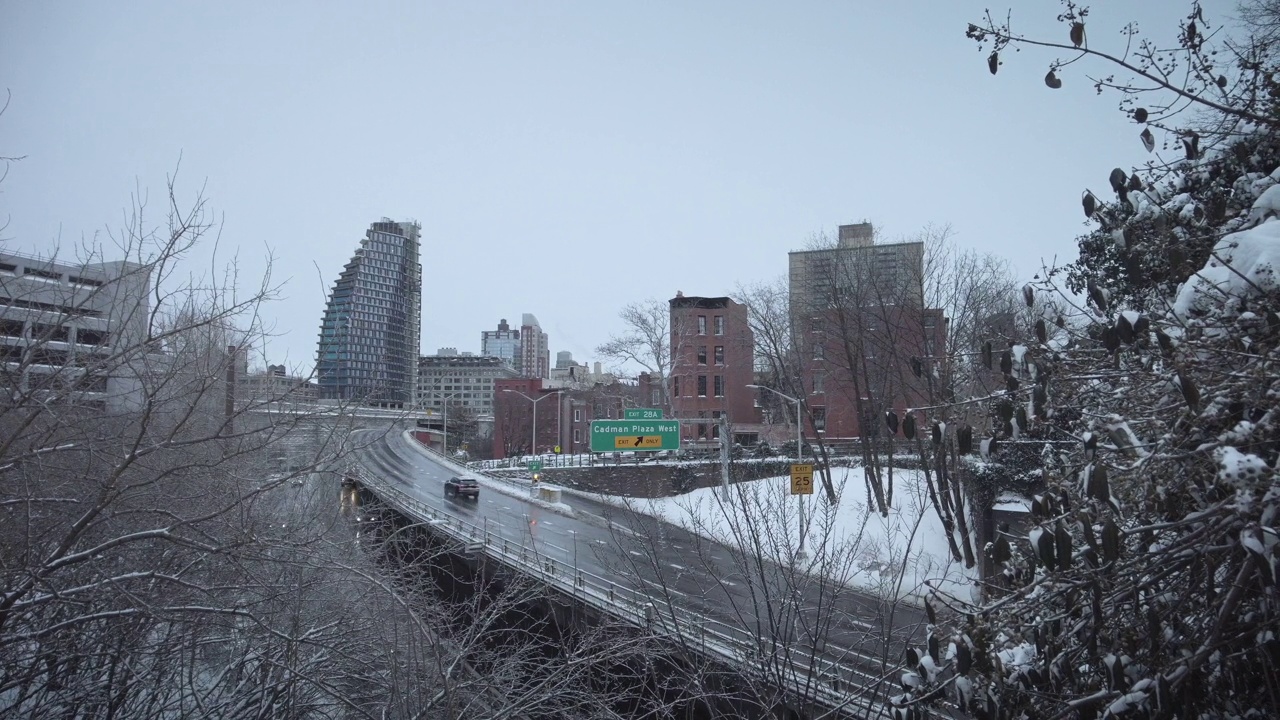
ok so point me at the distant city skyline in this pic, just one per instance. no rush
(565, 159)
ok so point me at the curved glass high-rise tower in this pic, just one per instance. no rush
(369, 335)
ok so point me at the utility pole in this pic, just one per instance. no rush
(724, 452)
(799, 455)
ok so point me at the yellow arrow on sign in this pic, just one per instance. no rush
(637, 442)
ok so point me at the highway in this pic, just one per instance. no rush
(681, 572)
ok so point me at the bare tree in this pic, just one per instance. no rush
(976, 293)
(856, 324)
(646, 342)
(777, 356)
(171, 548)
(769, 317)
(884, 329)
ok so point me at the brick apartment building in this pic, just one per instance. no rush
(863, 333)
(856, 365)
(712, 362)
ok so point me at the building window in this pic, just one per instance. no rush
(702, 324)
(817, 325)
(719, 354)
(715, 429)
(675, 386)
(820, 419)
(702, 426)
(577, 414)
(655, 398)
(577, 435)
(818, 351)
(92, 337)
(719, 386)
(719, 325)
(702, 386)
(819, 382)
(702, 355)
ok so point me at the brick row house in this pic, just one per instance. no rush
(712, 363)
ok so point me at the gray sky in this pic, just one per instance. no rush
(564, 158)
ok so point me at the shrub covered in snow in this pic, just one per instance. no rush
(1149, 584)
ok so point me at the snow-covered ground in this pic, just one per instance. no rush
(848, 542)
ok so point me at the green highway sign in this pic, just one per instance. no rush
(534, 465)
(612, 435)
(642, 413)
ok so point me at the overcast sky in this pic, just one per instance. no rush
(564, 158)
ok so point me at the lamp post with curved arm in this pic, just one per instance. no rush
(445, 403)
(533, 441)
(799, 454)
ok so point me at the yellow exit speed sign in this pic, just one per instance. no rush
(801, 479)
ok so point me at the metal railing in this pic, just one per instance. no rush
(833, 687)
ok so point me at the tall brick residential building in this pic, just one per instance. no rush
(865, 339)
(712, 362)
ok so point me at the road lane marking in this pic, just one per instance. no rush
(623, 529)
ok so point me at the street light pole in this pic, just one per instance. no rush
(799, 455)
(533, 441)
(444, 447)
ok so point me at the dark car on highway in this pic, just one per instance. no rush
(462, 487)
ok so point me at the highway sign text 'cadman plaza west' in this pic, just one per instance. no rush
(612, 435)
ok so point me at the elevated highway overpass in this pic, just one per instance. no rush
(827, 647)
